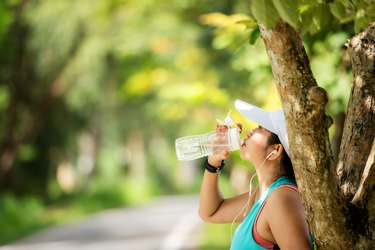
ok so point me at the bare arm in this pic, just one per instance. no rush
(213, 207)
(287, 221)
(211, 197)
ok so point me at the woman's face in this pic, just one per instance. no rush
(254, 147)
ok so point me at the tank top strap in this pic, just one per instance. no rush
(295, 188)
(282, 181)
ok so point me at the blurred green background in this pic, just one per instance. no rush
(93, 94)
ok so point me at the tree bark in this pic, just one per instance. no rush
(304, 104)
(356, 167)
(359, 132)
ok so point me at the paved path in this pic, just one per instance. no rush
(168, 223)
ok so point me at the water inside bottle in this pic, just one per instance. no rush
(190, 149)
(194, 147)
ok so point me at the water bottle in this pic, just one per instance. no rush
(198, 146)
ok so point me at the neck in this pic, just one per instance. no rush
(267, 175)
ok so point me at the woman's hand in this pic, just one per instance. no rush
(219, 150)
(219, 144)
(212, 206)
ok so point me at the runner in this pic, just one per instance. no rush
(272, 215)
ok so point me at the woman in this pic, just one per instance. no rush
(272, 216)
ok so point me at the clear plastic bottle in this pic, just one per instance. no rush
(198, 146)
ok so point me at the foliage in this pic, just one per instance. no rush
(94, 93)
(15, 221)
(331, 67)
(99, 78)
(312, 16)
(329, 60)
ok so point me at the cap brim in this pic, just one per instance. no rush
(272, 121)
(255, 114)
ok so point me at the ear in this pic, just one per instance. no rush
(276, 152)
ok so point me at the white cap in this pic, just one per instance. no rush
(272, 121)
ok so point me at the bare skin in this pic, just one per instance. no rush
(282, 220)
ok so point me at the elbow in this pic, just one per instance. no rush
(210, 214)
(206, 217)
(203, 215)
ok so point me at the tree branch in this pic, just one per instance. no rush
(359, 132)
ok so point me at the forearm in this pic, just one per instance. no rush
(210, 195)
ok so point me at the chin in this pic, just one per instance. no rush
(244, 155)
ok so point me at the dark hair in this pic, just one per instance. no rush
(285, 162)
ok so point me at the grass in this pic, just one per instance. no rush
(20, 216)
(216, 236)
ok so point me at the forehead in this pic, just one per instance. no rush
(264, 130)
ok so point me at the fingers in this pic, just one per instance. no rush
(221, 128)
(225, 154)
(220, 141)
(240, 126)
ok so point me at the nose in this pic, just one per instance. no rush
(249, 133)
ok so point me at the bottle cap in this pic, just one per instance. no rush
(228, 121)
(235, 139)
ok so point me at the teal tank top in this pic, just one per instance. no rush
(243, 238)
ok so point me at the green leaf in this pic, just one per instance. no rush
(361, 21)
(249, 23)
(307, 26)
(265, 12)
(338, 10)
(325, 1)
(288, 10)
(347, 4)
(370, 12)
(254, 35)
(321, 16)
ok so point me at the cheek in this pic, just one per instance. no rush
(253, 148)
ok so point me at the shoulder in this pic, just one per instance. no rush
(284, 205)
(284, 196)
(286, 217)
(285, 210)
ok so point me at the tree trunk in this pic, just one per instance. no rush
(356, 167)
(334, 221)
